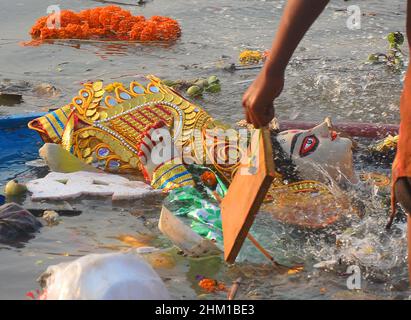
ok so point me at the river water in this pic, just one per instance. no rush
(327, 77)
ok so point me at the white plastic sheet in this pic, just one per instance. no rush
(113, 276)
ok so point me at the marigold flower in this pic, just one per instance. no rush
(209, 179)
(107, 23)
(250, 57)
(211, 285)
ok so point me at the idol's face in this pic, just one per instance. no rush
(319, 146)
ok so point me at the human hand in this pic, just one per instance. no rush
(258, 100)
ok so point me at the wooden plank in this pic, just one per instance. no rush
(246, 194)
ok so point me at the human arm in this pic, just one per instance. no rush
(297, 18)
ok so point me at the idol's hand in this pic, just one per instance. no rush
(161, 164)
(258, 100)
(148, 157)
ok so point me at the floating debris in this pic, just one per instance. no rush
(196, 88)
(234, 288)
(194, 91)
(126, 276)
(327, 265)
(16, 223)
(388, 144)
(250, 57)
(38, 163)
(394, 57)
(209, 179)
(60, 212)
(184, 237)
(211, 285)
(51, 217)
(12, 92)
(14, 188)
(17, 87)
(35, 294)
(46, 90)
(60, 186)
(135, 242)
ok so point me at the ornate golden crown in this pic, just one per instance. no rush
(104, 125)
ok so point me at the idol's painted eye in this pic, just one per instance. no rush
(310, 143)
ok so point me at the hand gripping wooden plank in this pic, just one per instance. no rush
(246, 193)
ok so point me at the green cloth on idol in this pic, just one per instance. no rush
(199, 205)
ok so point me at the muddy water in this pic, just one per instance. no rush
(327, 77)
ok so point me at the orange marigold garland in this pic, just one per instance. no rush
(107, 23)
(211, 285)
